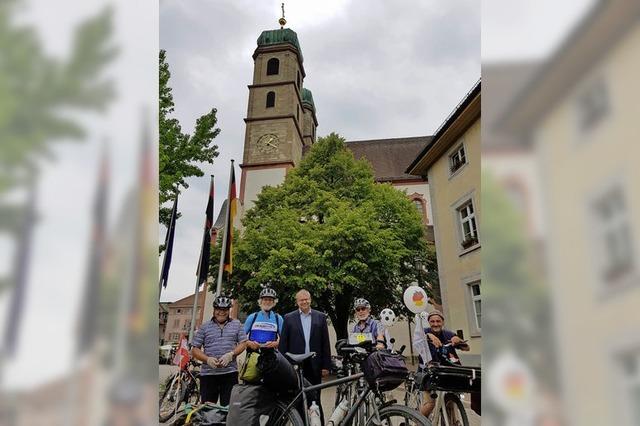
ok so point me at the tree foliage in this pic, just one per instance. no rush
(180, 153)
(331, 229)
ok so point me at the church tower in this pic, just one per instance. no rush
(281, 121)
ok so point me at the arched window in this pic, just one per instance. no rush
(298, 80)
(273, 66)
(419, 207)
(271, 99)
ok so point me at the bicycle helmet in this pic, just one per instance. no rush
(361, 302)
(222, 302)
(268, 292)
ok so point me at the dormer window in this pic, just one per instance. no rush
(273, 66)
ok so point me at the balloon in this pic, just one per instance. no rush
(415, 299)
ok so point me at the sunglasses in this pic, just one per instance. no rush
(360, 309)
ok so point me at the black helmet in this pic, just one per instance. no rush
(268, 292)
(222, 302)
(361, 302)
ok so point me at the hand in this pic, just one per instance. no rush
(212, 362)
(434, 340)
(380, 346)
(225, 359)
(254, 346)
(325, 373)
(272, 344)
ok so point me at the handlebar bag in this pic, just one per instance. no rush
(453, 379)
(385, 371)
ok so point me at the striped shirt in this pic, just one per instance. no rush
(216, 340)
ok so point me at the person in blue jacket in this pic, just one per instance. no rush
(263, 328)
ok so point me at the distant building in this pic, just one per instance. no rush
(163, 317)
(179, 317)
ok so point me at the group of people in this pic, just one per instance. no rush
(219, 341)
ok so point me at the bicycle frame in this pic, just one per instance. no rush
(362, 396)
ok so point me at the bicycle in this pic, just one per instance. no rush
(368, 402)
(446, 382)
(181, 387)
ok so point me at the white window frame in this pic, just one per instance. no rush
(467, 284)
(592, 104)
(455, 153)
(456, 207)
(622, 226)
(471, 219)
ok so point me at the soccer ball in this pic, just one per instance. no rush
(387, 317)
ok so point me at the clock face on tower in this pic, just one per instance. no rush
(268, 144)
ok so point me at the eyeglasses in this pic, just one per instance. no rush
(360, 309)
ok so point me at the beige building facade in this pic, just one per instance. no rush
(580, 115)
(451, 163)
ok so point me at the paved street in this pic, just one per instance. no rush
(328, 395)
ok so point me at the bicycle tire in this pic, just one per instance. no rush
(174, 387)
(452, 401)
(410, 417)
(292, 419)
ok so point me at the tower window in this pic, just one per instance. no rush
(297, 112)
(271, 99)
(273, 66)
(298, 81)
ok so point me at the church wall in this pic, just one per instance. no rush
(421, 188)
(290, 147)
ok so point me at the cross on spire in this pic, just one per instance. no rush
(282, 21)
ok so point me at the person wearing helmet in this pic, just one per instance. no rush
(366, 324)
(263, 327)
(217, 343)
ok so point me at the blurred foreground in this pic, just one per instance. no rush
(561, 194)
(78, 212)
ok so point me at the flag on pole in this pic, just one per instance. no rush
(182, 354)
(91, 301)
(205, 251)
(231, 214)
(168, 244)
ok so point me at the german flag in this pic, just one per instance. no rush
(231, 214)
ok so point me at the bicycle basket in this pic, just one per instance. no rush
(384, 371)
(453, 379)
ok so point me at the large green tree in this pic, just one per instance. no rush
(180, 153)
(331, 229)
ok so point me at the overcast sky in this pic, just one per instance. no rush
(376, 70)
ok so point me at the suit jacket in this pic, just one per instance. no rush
(292, 338)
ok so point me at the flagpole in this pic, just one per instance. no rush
(197, 293)
(225, 236)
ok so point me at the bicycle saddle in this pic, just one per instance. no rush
(299, 358)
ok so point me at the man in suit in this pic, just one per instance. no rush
(305, 330)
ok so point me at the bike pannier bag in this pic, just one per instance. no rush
(249, 372)
(277, 372)
(385, 371)
(248, 403)
(453, 379)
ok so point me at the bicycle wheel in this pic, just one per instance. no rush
(171, 398)
(399, 415)
(291, 419)
(456, 413)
